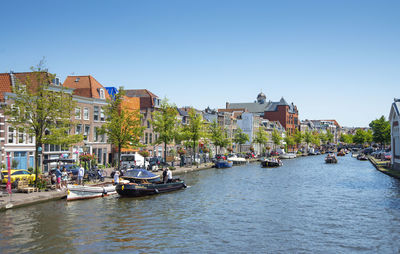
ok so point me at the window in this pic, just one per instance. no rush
(11, 135)
(78, 129)
(30, 139)
(96, 113)
(146, 138)
(103, 138)
(96, 134)
(102, 118)
(148, 124)
(102, 95)
(77, 113)
(85, 114)
(151, 138)
(21, 136)
(86, 134)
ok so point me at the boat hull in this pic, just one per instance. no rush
(223, 164)
(139, 190)
(270, 164)
(287, 156)
(78, 192)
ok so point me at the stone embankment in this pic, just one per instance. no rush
(384, 167)
(15, 200)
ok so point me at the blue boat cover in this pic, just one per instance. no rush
(139, 173)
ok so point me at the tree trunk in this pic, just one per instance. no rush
(165, 152)
(36, 161)
(119, 157)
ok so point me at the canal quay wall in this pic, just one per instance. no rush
(383, 166)
(16, 200)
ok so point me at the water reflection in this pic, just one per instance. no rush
(304, 206)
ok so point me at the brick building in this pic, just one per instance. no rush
(91, 98)
(286, 114)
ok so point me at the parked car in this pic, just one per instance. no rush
(71, 169)
(368, 150)
(386, 156)
(18, 174)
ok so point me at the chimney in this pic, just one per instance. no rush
(227, 105)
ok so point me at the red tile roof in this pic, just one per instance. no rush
(5, 84)
(86, 86)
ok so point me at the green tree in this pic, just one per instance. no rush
(359, 137)
(123, 125)
(298, 137)
(217, 135)
(41, 110)
(346, 138)
(194, 131)
(165, 124)
(289, 140)
(381, 131)
(240, 138)
(323, 137)
(276, 138)
(316, 139)
(261, 137)
(329, 136)
(308, 138)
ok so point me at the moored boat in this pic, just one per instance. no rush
(331, 158)
(223, 164)
(78, 192)
(271, 163)
(362, 157)
(237, 160)
(287, 156)
(139, 182)
(341, 153)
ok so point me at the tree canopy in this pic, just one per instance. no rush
(240, 138)
(381, 130)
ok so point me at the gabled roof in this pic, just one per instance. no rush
(5, 84)
(282, 102)
(252, 107)
(139, 93)
(182, 112)
(85, 86)
(395, 109)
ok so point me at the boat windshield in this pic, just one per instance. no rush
(140, 174)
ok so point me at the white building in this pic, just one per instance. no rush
(394, 118)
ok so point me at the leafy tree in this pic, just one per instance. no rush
(308, 137)
(240, 138)
(298, 137)
(323, 137)
(42, 110)
(194, 131)
(369, 136)
(276, 138)
(217, 135)
(261, 137)
(289, 140)
(346, 138)
(123, 125)
(329, 136)
(165, 123)
(381, 130)
(316, 139)
(359, 137)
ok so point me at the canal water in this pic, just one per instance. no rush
(305, 206)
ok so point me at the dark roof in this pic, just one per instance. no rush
(182, 112)
(139, 93)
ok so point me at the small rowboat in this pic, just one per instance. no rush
(78, 192)
(271, 163)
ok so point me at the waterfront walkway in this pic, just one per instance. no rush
(23, 199)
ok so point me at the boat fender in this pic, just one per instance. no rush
(184, 185)
(122, 187)
(104, 192)
(156, 190)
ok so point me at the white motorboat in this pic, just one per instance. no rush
(237, 160)
(287, 156)
(77, 192)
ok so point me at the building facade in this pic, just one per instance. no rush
(394, 118)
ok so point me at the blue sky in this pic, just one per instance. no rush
(333, 59)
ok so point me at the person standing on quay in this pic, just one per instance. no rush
(81, 173)
(58, 175)
(64, 178)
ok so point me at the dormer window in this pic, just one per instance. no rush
(102, 95)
